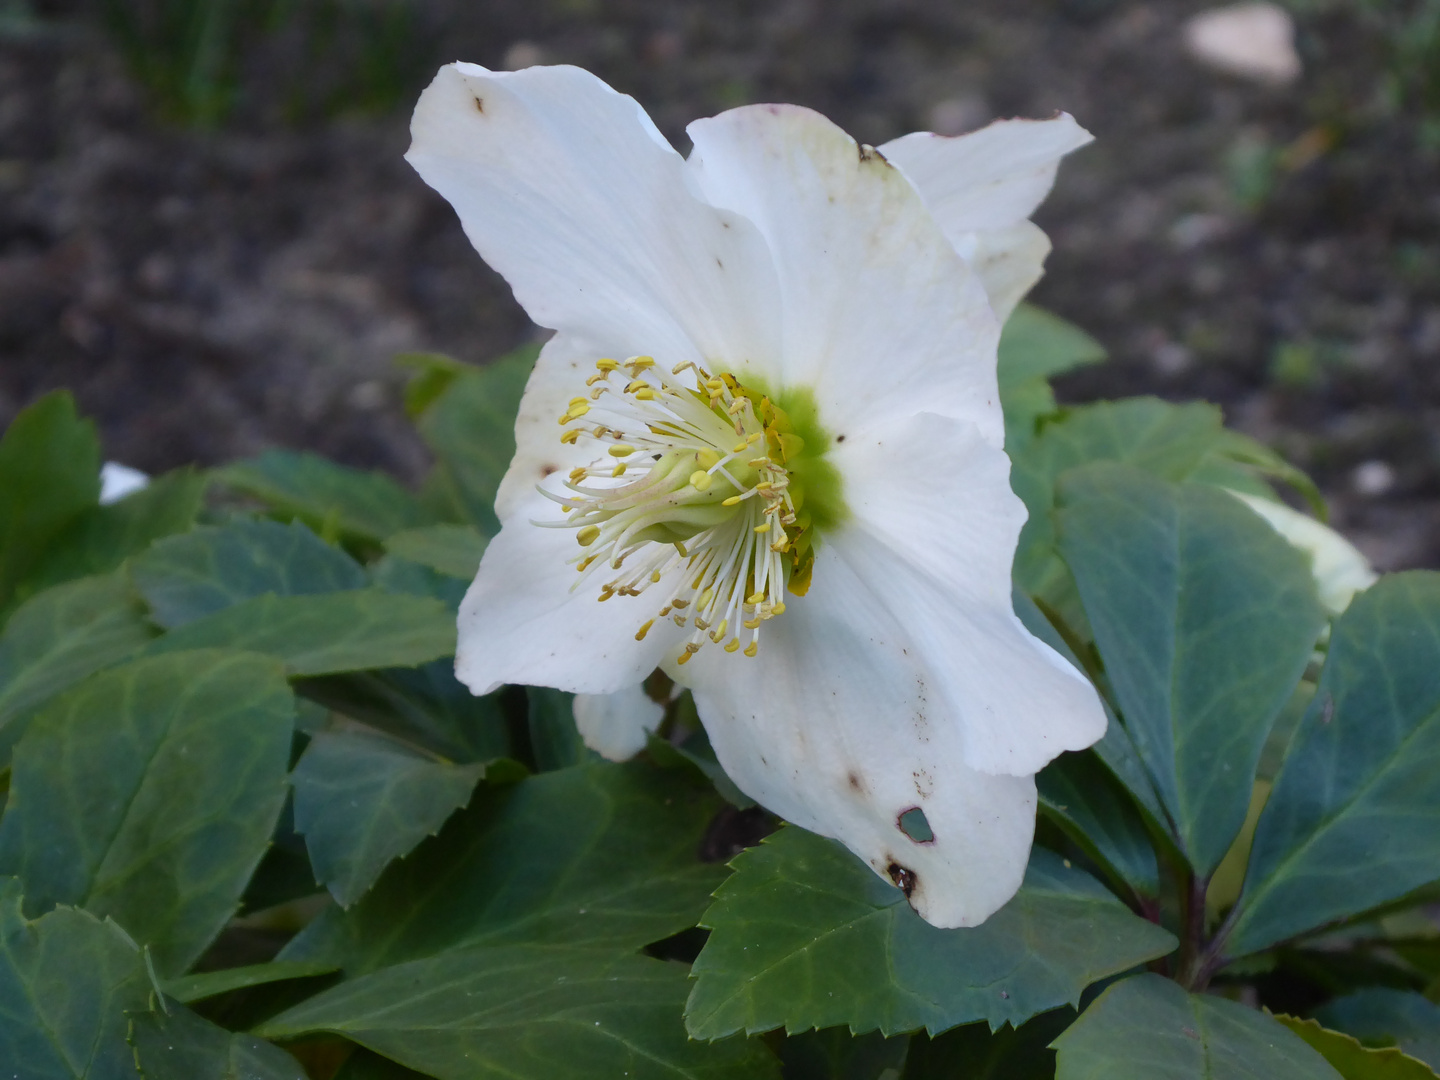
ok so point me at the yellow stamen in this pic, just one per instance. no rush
(607, 364)
(732, 500)
(763, 528)
(733, 645)
(754, 598)
(570, 436)
(645, 395)
(588, 535)
(700, 479)
(619, 470)
(751, 624)
(752, 648)
(640, 634)
(779, 608)
(621, 450)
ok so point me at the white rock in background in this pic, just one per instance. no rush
(117, 481)
(1253, 41)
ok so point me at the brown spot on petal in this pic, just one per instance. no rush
(904, 879)
(547, 469)
(480, 105)
(856, 783)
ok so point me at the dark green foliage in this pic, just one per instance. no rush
(334, 501)
(1205, 619)
(49, 476)
(805, 935)
(211, 568)
(620, 869)
(1354, 819)
(531, 1012)
(172, 1043)
(361, 800)
(1147, 1028)
(509, 905)
(148, 793)
(66, 983)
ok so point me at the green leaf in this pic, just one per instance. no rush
(1379, 1016)
(554, 738)
(1035, 344)
(1205, 618)
(806, 935)
(209, 984)
(322, 635)
(149, 793)
(1354, 1061)
(397, 575)
(103, 537)
(450, 549)
(1080, 795)
(470, 427)
(175, 1044)
(1148, 1028)
(187, 577)
(333, 500)
(974, 1052)
(1023, 405)
(527, 1012)
(362, 800)
(1354, 819)
(597, 854)
(66, 982)
(835, 1054)
(58, 638)
(49, 475)
(425, 705)
(1173, 442)
(363, 1065)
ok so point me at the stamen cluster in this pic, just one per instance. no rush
(692, 478)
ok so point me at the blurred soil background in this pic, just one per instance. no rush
(207, 230)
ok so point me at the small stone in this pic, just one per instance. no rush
(523, 54)
(1372, 478)
(1252, 41)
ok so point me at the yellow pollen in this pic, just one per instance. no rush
(751, 624)
(779, 608)
(752, 648)
(732, 500)
(577, 474)
(570, 436)
(700, 479)
(621, 450)
(654, 577)
(754, 598)
(763, 528)
(739, 448)
(605, 593)
(680, 603)
(754, 437)
(684, 657)
(640, 634)
(607, 364)
(588, 535)
(720, 630)
(707, 459)
(636, 384)
(578, 409)
(640, 363)
(645, 395)
(576, 401)
(619, 470)
(733, 645)
(706, 597)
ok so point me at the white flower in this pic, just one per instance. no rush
(777, 465)
(1340, 570)
(118, 481)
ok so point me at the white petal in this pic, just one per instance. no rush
(1010, 261)
(935, 525)
(983, 186)
(522, 623)
(990, 178)
(566, 188)
(835, 727)
(117, 481)
(1340, 570)
(881, 317)
(616, 725)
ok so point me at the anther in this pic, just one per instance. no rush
(700, 480)
(733, 644)
(621, 450)
(752, 649)
(733, 500)
(607, 364)
(640, 634)
(588, 535)
(619, 470)
(754, 598)
(763, 528)
(570, 436)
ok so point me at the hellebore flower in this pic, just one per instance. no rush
(763, 451)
